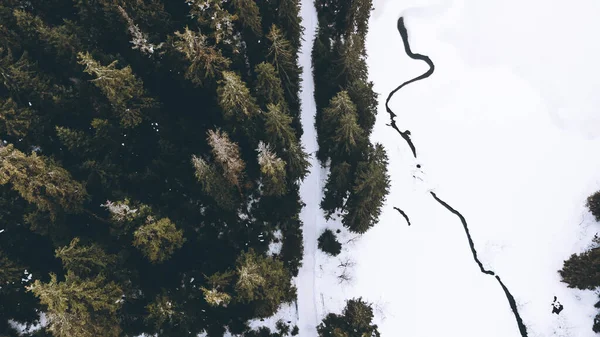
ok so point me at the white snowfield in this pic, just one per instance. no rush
(507, 131)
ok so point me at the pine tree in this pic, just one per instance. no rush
(337, 188)
(80, 307)
(227, 155)
(235, 99)
(282, 56)
(339, 106)
(262, 279)
(158, 240)
(349, 137)
(139, 39)
(205, 62)
(297, 160)
(582, 271)
(121, 87)
(278, 127)
(84, 260)
(371, 185)
(248, 14)
(214, 295)
(14, 120)
(268, 88)
(355, 321)
(214, 184)
(593, 204)
(273, 171)
(40, 181)
(162, 310)
(209, 13)
(290, 21)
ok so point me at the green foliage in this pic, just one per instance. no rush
(121, 87)
(205, 62)
(84, 260)
(355, 321)
(235, 99)
(103, 104)
(273, 171)
(328, 243)
(40, 181)
(268, 88)
(582, 271)
(248, 14)
(80, 307)
(371, 185)
(264, 280)
(158, 240)
(593, 204)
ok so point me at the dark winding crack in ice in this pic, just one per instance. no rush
(403, 214)
(406, 135)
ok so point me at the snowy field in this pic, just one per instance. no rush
(507, 132)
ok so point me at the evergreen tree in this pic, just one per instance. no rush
(80, 307)
(337, 188)
(83, 260)
(14, 120)
(349, 137)
(248, 14)
(214, 184)
(330, 128)
(371, 185)
(290, 21)
(593, 204)
(262, 279)
(329, 244)
(162, 310)
(121, 87)
(235, 99)
(582, 271)
(227, 155)
(282, 56)
(268, 88)
(211, 14)
(205, 62)
(355, 321)
(40, 181)
(158, 240)
(273, 171)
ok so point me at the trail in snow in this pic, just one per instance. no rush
(406, 135)
(310, 189)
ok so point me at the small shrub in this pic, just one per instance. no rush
(329, 244)
(295, 330)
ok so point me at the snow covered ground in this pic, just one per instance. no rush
(507, 132)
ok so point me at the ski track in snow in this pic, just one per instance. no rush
(310, 189)
(406, 135)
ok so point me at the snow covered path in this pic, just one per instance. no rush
(310, 190)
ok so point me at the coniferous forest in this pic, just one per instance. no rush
(346, 108)
(150, 153)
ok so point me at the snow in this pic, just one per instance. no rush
(310, 189)
(507, 132)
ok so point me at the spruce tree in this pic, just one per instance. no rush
(263, 280)
(84, 260)
(158, 240)
(235, 99)
(205, 62)
(273, 171)
(248, 14)
(227, 155)
(582, 271)
(355, 321)
(371, 185)
(336, 188)
(593, 204)
(80, 307)
(40, 181)
(214, 184)
(122, 88)
(268, 88)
